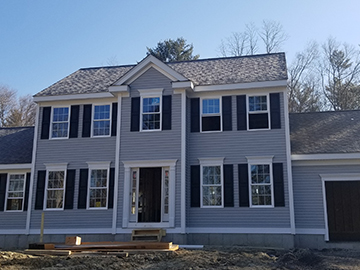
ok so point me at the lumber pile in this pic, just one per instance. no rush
(74, 246)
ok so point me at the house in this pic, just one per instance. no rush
(199, 148)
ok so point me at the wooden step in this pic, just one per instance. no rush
(147, 234)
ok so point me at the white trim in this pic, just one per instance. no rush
(151, 92)
(51, 122)
(248, 112)
(329, 162)
(144, 65)
(117, 165)
(310, 231)
(93, 166)
(255, 163)
(73, 231)
(240, 230)
(32, 177)
(57, 168)
(73, 96)
(93, 120)
(259, 159)
(150, 163)
(183, 163)
(168, 230)
(7, 191)
(238, 86)
(15, 166)
(211, 114)
(119, 89)
(12, 231)
(329, 156)
(183, 85)
(98, 165)
(211, 161)
(288, 162)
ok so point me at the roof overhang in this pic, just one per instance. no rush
(238, 86)
(73, 97)
(22, 166)
(326, 159)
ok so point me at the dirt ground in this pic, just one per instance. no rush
(207, 258)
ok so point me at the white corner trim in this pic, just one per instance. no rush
(211, 161)
(72, 97)
(183, 163)
(152, 92)
(238, 86)
(23, 166)
(259, 159)
(183, 85)
(150, 163)
(119, 88)
(295, 157)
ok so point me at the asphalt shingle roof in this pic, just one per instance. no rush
(325, 132)
(16, 145)
(243, 69)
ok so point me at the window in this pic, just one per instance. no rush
(210, 114)
(258, 112)
(260, 185)
(101, 120)
(15, 192)
(151, 113)
(211, 186)
(60, 123)
(98, 190)
(55, 189)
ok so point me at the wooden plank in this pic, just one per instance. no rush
(47, 252)
(126, 245)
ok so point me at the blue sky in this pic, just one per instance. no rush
(42, 41)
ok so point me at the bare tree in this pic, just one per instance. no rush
(273, 35)
(235, 45)
(251, 32)
(23, 113)
(303, 93)
(7, 101)
(340, 71)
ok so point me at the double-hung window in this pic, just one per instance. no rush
(212, 191)
(211, 114)
(60, 122)
(101, 120)
(55, 189)
(151, 113)
(261, 182)
(258, 112)
(15, 192)
(98, 185)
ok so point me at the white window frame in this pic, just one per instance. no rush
(212, 162)
(10, 198)
(52, 122)
(211, 114)
(150, 93)
(258, 112)
(93, 120)
(261, 161)
(98, 166)
(55, 168)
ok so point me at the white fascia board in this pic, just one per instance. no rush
(183, 85)
(119, 88)
(72, 97)
(144, 64)
(325, 156)
(15, 166)
(237, 86)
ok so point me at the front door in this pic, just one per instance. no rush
(149, 196)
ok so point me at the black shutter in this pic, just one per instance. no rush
(27, 187)
(3, 178)
(70, 186)
(275, 110)
(84, 173)
(74, 121)
(228, 185)
(86, 130)
(166, 113)
(111, 188)
(241, 112)
(278, 175)
(135, 114)
(227, 113)
(114, 118)
(45, 125)
(195, 115)
(195, 186)
(243, 185)
(40, 190)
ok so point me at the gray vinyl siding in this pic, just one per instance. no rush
(235, 146)
(308, 193)
(76, 152)
(151, 145)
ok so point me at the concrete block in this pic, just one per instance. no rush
(2, 241)
(216, 239)
(11, 241)
(23, 241)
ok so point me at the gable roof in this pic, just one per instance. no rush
(230, 70)
(16, 145)
(325, 132)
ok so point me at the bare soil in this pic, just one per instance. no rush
(207, 258)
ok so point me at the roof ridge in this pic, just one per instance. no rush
(121, 66)
(323, 112)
